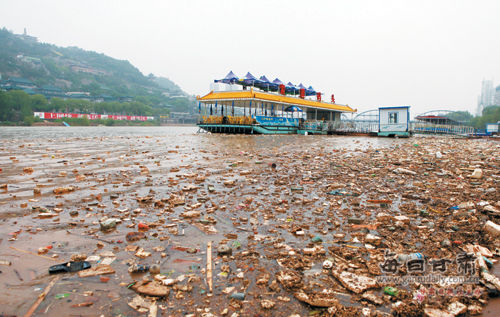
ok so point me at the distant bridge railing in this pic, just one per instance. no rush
(428, 128)
(353, 126)
(369, 126)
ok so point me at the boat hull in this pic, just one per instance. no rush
(247, 129)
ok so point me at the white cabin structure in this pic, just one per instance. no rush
(394, 121)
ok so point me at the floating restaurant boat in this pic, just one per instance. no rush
(259, 106)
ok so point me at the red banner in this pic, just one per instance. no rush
(91, 116)
(282, 89)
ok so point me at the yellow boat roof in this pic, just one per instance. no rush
(246, 95)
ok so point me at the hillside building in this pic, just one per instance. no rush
(17, 83)
(27, 38)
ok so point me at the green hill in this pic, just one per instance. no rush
(95, 76)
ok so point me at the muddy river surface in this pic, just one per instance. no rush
(282, 219)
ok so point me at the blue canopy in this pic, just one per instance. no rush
(250, 80)
(230, 78)
(250, 76)
(266, 85)
(291, 89)
(310, 91)
(292, 109)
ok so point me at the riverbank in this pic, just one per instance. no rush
(95, 124)
(285, 216)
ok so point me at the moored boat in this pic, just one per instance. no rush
(259, 106)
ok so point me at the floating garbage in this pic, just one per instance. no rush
(138, 268)
(296, 230)
(238, 296)
(391, 291)
(150, 288)
(492, 228)
(69, 267)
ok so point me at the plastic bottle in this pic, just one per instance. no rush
(391, 291)
(409, 257)
(238, 296)
(316, 239)
(62, 295)
(154, 269)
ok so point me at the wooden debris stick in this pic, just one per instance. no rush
(41, 297)
(379, 201)
(33, 253)
(18, 275)
(209, 265)
(153, 310)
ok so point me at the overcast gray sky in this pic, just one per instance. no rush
(426, 54)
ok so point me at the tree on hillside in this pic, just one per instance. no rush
(20, 104)
(39, 103)
(78, 70)
(57, 105)
(461, 116)
(490, 114)
(6, 110)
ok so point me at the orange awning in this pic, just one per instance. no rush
(247, 95)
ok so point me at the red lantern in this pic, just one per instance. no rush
(318, 96)
(302, 92)
(333, 98)
(282, 89)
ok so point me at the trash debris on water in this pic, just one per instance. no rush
(5, 262)
(353, 282)
(238, 296)
(294, 230)
(391, 291)
(150, 288)
(135, 236)
(141, 253)
(109, 223)
(267, 303)
(318, 299)
(317, 239)
(100, 269)
(477, 174)
(141, 304)
(492, 228)
(154, 269)
(138, 268)
(63, 190)
(62, 295)
(69, 267)
(224, 250)
(327, 264)
(84, 304)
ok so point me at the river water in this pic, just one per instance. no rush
(111, 167)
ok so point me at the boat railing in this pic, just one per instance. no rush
(314, 125)
(234, 120)
(353, 126)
